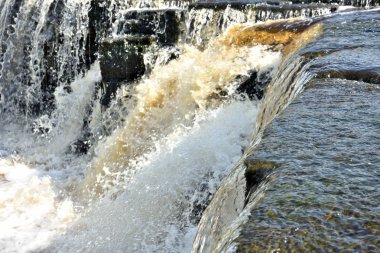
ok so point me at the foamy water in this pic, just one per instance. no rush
(30, 211)
(171, 96)
(144, 186)
(153, 199)
(153, 212)
(162, 149)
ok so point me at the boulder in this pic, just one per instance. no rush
(122, 59)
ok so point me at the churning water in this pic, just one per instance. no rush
(167, 144)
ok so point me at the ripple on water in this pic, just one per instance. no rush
(326, 196)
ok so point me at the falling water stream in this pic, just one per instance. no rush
(164, 167)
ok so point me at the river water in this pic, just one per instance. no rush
(324, 196)
(247, 224)
(181, 134)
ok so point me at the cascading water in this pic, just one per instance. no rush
(209, 19)
(43, 47)
(235, 204)
(162, 147)
(170, 112)
(172, 95)
(215, 235)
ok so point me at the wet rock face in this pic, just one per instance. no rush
(98, 27)
(99, 24)
(256, 171)
(364, 75)
(122, 58)
(16, 57)
(56, 72)
(166, 26)
(50, 47)
(254, 84)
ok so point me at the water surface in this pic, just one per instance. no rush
(325, 196)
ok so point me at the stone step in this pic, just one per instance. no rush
(167, 25)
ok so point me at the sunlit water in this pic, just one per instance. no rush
(156, 205)
(155, 211)
(144, 184)
(154, 173)
(325, 195)
(347, 48)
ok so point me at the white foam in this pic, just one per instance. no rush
(343, 8)
(173, 173)
(66, 123)
(30, 213)
(170, 97)
(153, 212)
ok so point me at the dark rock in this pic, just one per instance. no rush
(98, 27)
(167, 25)
(80, 146)
(256, 171)
(51, 63)
(253, 85)
(364, 75)
(121, 60)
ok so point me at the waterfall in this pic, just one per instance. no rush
(150, 170)
(207, 20)
(172, 95)
(216, 235)
(125, 124)
(43, 47)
